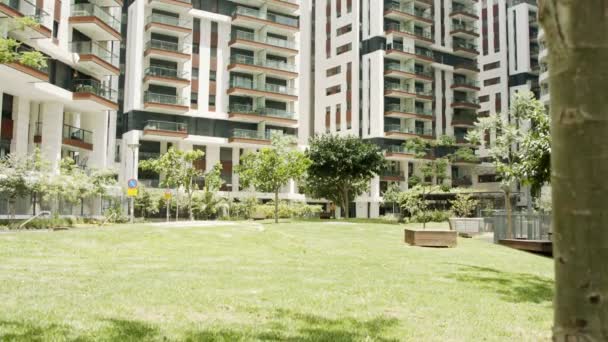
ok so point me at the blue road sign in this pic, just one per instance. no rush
(132, 183)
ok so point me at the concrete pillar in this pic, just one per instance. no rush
(374, 209)
(21, 123)
(361, 209)
(235, 163)
(131, 156)
(52, 133)
(212, 157)
(98, 124)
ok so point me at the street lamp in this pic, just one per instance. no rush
(133, 148)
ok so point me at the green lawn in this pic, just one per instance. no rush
(303, 281)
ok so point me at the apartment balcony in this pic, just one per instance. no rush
(404, 72)
(465, 49)
(464, 181)
(464, 120)
(93, 95)
(95, 22)
(404, 13)
(403, 91)
(248, 41)
(247, 136)
(421, 37)
(166, 129)
(393, 110)
(255, 19)
(464, 30)
(392, 175)
(26, 74)
(167, 50)
(270, 91)
(166, 103)
(400, 132)
(424, 3)
(168, 25)
(171, 5)
(465, 13)
(166, 77)
(14, 9)
(95, 59)
(398, 152)
(466, 103)
(400, 52)
(246, 113)
(465, 85)
(253, 66)
(77, 138)
(289, 6)
(470, 69)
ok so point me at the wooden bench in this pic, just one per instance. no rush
(430, 238)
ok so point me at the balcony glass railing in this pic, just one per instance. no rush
(411, 70)
(396, 27)
(242, 59)
(92, 48)
(406, 88)
(465, 82)
(75, 133)
(464, 118)
(465, 45)
(405, 9)
(165, 45)
(253, 134)
(276, 18)
(166, 126)
(164, 99)
(88, 10)
(413, 51)
(398, 149)
(395, 107)
(272, 88)
(28, 9)
(271, 112)
(265, 40)
(95, 87)
(167, 20)
(464, 27)
(164, 72)
(460, 8)
(469, 100)
(400, 129)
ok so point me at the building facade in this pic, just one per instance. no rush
(218, 76)
(69, 107)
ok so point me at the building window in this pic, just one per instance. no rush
(491, 66)
(327, 118)
(344, 29)
(332, 71)
(194, 98)
(211, 101)
(338, 117)
(195, 73)
(344, 48)
(212, 75)
(496, 28)
(332, 90)
(491, 81)
(195, 48)
(484, 98)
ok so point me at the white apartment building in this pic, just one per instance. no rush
(543, 79)
(388, 71)
(219, 76)
(68, 108)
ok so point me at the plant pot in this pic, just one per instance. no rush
(430, 237)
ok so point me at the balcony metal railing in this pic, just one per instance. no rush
(166, 126)
(88, 9)
(28, 9)
(392, 173)
(95, 87)
(242, 59)
(253, 134)
(164, 99)
(396, 27)
(413, 51)
(279, 19)
(469, 100)
(271, 88)
(165, 45)
(400, 129)
(92, 48)
(415, 12)
(164, 72)
(405, 88)
(411, 70)
(395, 107)
(460, 8)
(236, 34)
(75, 133)
(271, 112)
(465, 45)
(465, 82)
(464, 27)
(167, 20)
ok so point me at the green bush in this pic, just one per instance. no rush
(47, 223)
(286, 210)
(432, 216)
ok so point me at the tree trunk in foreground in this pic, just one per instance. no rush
(577, 36)
(345, 202)
(509, 213)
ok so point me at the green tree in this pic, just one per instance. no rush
(271, 168)
(177, 170)
(391, 195)
(145, 202)
(342, 167)
(576, 36)
(206, 203)
(463, 205)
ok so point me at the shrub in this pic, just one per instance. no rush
(432, 216)
(463, 205)
(286, 210)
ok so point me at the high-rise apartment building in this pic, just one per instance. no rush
(218, 76)
(389, 71)
(69, 107)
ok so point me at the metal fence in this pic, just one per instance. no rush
(526, 226)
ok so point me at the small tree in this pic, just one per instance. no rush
(464, 205)
(208, 203)
(391, 195)
(178, 171)
(145, 203)
(271, 168)
(342, 167)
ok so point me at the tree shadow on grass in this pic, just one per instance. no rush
(512, 287)
(306, 328)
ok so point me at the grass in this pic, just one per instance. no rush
(302, 281)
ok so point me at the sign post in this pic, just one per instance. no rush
(132, 193)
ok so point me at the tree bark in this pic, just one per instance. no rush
(276, 206)
(345, 203)
(509, 213)
(577, 37)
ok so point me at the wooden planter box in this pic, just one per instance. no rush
(430, 238)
